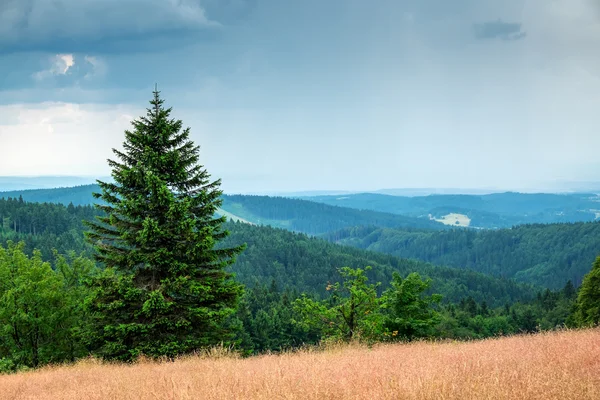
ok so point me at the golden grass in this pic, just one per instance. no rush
(563, 365)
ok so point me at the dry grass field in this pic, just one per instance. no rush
(563, 365)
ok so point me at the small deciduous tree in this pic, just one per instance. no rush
(351, 312)
(587, 308)
(408, 312)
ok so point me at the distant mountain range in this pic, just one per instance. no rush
(491, 211)
(488, 211)
(292, 214)
(10, 183)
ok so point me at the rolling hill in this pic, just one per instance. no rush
(543, 254)
(498, 210)
(293, 214)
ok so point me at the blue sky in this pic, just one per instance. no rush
(308, 95)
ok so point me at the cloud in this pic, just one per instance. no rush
(70, 26)
(60, 65)
(59, 138)
(499, 30)
(69, 69)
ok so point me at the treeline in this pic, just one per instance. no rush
(544, 255)
(45, 218)
(77, 195)
(45, 226)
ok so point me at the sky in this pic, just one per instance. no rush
(311, 94)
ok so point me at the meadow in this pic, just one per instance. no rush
(557, 365)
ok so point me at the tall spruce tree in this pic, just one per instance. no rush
(165, 290)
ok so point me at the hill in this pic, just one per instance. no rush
(78, 195)
(314, 218)
(293, 261)
(8, 183)
(550, 366)
(293, 214)
(546, 255)
(306, 264)
(496, 210)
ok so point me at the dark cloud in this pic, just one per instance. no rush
(113, 26)
(499, 30)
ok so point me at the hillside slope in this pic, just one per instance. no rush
(545, 255)
(296, 215)
(315, 218)
(485, 211)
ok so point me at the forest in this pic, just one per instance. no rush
(546, 255)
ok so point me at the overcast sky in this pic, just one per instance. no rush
(311, 94)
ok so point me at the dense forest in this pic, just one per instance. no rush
(544, 255)
(499, 210)
(77, 195)
(293, 261)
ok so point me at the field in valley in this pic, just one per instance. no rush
(564, 365)
(453, 219)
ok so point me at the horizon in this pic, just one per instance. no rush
(69, 181)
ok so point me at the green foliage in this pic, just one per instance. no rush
(544, 255)
(41, 312)
(408, 313)
(350, 312)
(588, 300)
(165, 290)
(46, 227)
(354, 311)
(471, 320)
(303, 263)
(266, 314)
